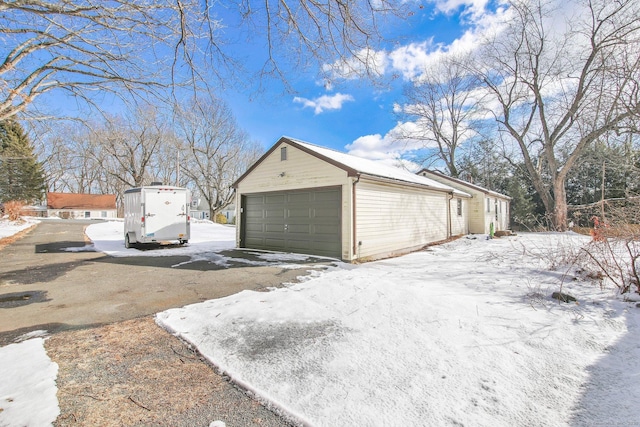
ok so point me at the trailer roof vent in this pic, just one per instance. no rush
(156, 183)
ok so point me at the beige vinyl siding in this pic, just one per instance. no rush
(479, 219)
(503, 215)
(477, 213)
(392, 219)
(299, 171)
(489, 214)
(459, 222)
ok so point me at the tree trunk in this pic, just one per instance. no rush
(560, 208)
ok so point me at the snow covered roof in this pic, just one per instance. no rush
(80, 201)
(463, 183)
(359, 166)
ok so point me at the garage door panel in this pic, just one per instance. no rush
(327, 196)
(323, 213)
(274, 213)
(301, 197)
(273, 243)
(324, 229)
(254, 242)
(254, 228)
(304, 213)
(298, 245)
(274, 199)
(306, 221)
(250, 214)
(299, 228)
(274, 228)
(299, 220)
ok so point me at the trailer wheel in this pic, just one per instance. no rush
(127, 242)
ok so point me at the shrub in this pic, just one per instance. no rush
(221, 219)
(614, 252)
(13, 208)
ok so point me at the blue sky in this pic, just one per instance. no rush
(351, 115)
(356, 115)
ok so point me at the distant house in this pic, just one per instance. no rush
(486, 207)
(199, 209)
(92, 206)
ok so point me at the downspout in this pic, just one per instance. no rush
(353, 219)
(449, 220)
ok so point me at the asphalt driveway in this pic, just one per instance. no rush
(42, 286)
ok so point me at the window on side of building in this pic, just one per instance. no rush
(283, 153)
(459, 206)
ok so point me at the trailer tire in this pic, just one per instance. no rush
(127, 242)
(182, 242)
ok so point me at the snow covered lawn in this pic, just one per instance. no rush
(462, 334)
(27, 386)
(9, 228)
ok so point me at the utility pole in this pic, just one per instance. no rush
(602, 192)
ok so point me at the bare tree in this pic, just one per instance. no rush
(144, 47)
(63, 150)
(442, 103)
(555, 92)
(167, 161)
(81, 47)
(127, 147)
(216, 150)
(331, 31)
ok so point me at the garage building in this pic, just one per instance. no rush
(304, 198)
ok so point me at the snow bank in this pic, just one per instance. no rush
(9, 228)
(27, 386)
(462, 334)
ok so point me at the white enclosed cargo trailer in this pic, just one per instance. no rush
(156, 213)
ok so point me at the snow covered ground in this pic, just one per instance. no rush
(27, 375)
(462, 334)
(206, 236)
(9, 228)
(27, 386)
(207, 240)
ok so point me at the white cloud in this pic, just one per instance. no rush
(384, 149)
(471, 7)
(389, 148)
(408, 61)
(324, 102)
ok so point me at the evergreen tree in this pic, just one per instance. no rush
(21, 175)
(483, 166)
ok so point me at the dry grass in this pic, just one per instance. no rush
(135, 373)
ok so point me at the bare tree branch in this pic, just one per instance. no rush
(559, 92)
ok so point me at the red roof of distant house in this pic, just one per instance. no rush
(80, 201)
